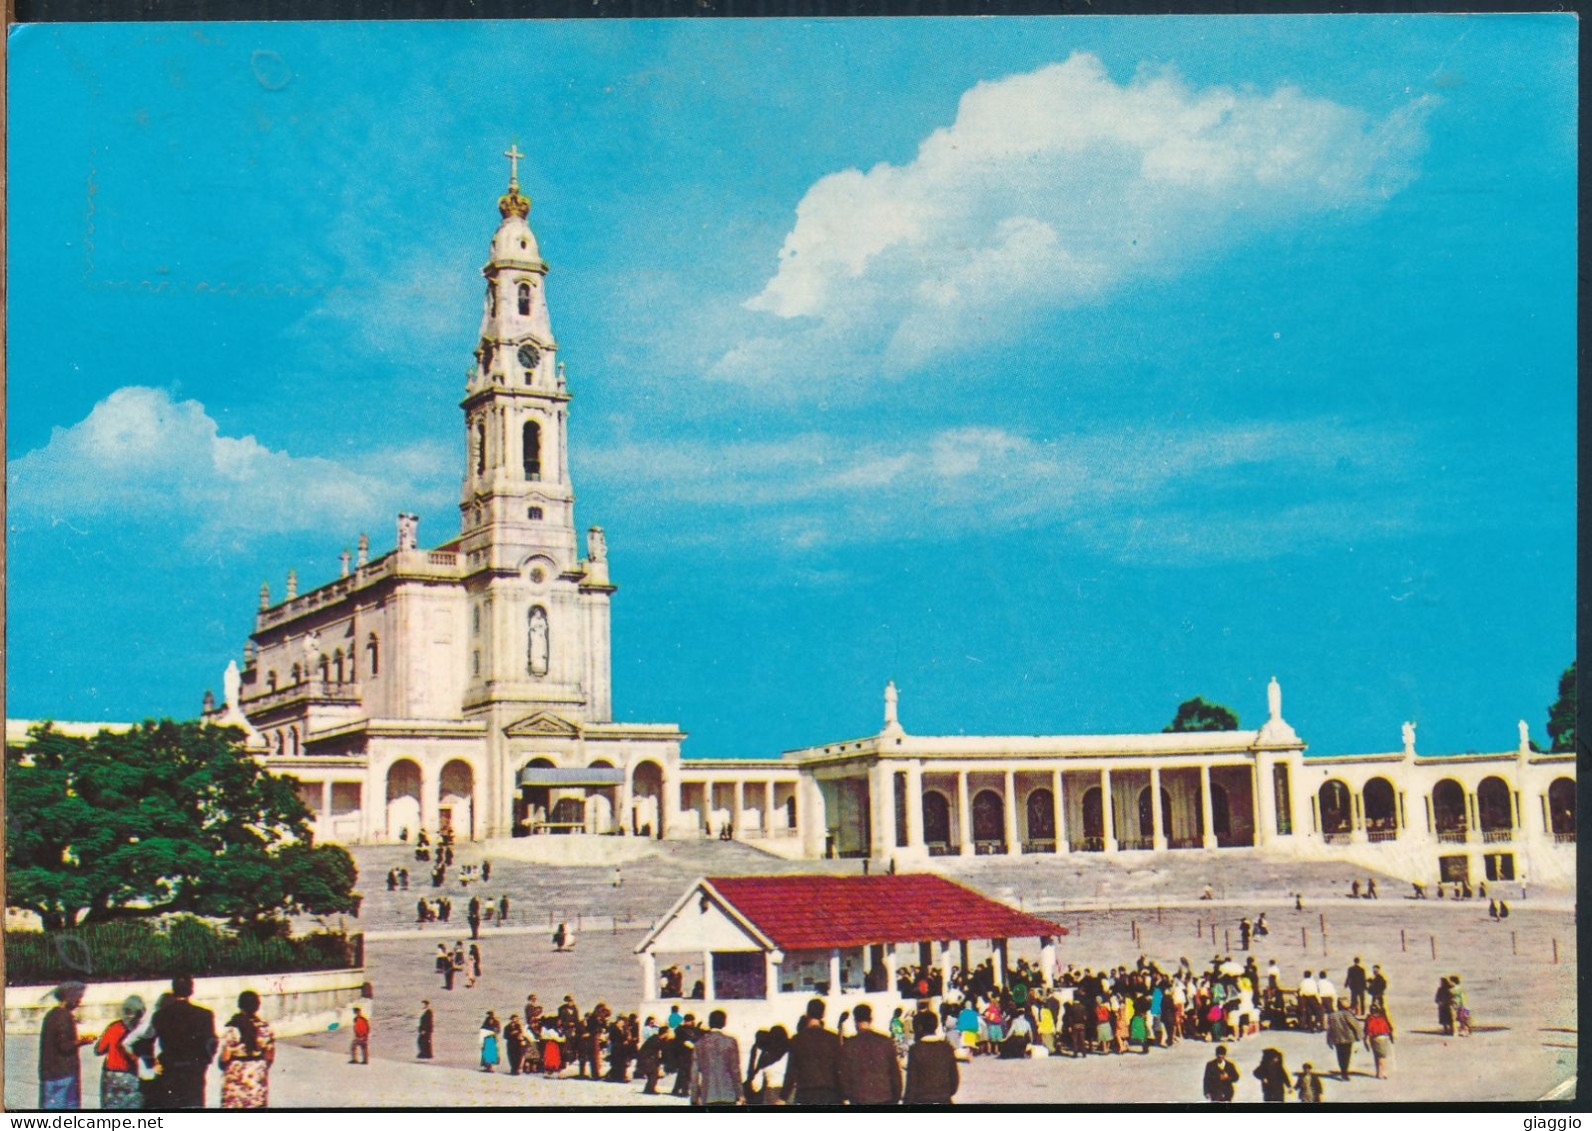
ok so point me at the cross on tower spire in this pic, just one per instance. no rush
(513, 154)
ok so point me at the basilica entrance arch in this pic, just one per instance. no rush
(1041, 815)
(1561, 808)
(1337, 808)
(456, 803)
(403, 798)
(646, 799)
(1094, 819)
(936, 818)
(1380, 803)
(1494, 809)
(989, 818)
(1448, 810)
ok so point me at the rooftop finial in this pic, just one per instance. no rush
(512, 203)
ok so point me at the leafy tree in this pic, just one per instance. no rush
(1561, 716)
(168, 817)
(1196, 714)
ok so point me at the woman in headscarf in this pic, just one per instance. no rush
(1273, 1076)
(247, 1051)
(490, 1027)
(119, 1088)
(766, 1072)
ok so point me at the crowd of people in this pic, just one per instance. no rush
(157, 1059)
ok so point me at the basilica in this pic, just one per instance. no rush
(466, 686)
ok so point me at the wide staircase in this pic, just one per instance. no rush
(585, 896)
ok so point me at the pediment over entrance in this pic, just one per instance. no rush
(542, 723)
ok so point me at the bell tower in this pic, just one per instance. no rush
(539, 611)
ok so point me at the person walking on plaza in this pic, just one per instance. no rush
(716, 1066)
(1307, 1085)
(248, 1049)
(1343, 1033)
(656, 1051)
(1461, 1006)
(490, 1027)
(685, 1039)
(932, 1072)
(1221, 1075)
(445, 966)
(1309, 1003)
(428, 1026)
(1327, 995)
(1444, 999)
(119, 1087)
(503, 910)
(814, 1073)
(1273, 1076)
(870, 1073)
(60, 1072)
(187, 1036)
(474, 917)
(359, 1048)
(1355, 982)
(1377, 985)
(1379, 1038)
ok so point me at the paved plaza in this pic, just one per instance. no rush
(1524, 1003)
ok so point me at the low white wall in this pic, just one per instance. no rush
(292, 1003)
(744, 1017)
(570, 849)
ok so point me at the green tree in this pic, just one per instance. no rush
(168, 817)
(1561, 716)
(1196, 714)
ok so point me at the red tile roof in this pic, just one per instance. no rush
(819, 912)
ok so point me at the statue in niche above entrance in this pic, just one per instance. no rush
(537, 653)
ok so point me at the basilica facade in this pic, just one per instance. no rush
(466, 686)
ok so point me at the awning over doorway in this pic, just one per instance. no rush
(560, 776)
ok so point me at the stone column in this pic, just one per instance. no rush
(1014, 843)
(1265, 791)
(1047, 959)
(882, 784)
(890, 969)
(771, 961)
(1108, 811)
(999, 965)
(945, 967)
(915, 806)
(326, 810)
(811, 817)
(1209, 840)
(649, 975)
(430, 799)
(707, 975)
(1059, 816)
(740, 808)
(1157, 833)
(768, 808)
(834, 971)
(964, 818)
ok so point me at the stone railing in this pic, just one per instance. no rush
(1088, 844)
(1381, 836)
(1453, 836)
(1038, 846)
(1564, 837)
(1185, 842)
(326, 691)
(941, 849)
(1497, 836)
(989, 848)
(1135, 843)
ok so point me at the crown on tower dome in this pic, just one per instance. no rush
(512, 203)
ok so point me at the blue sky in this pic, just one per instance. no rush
(1058, 369)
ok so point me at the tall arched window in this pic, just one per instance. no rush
(281, 745)
(373, 651)
(491, 298)
(533, 451)
(295, 734)
(480, 447)
(525, 299)
(270, 681)
(295, 674)
(326, 667)
(337, 663)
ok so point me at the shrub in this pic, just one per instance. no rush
(138, 949)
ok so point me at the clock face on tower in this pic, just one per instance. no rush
(529, 355)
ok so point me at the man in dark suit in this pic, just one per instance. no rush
(814, 1072)
(187, 1036)
(1355, 982)
(684, 1046)
(428, 1024)
(716, 1066)
(1220, 1076)
(870, 1074)
(932, 1072)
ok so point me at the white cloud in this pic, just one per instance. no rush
(140, 456)
(1129, 494)
(1049, 190)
